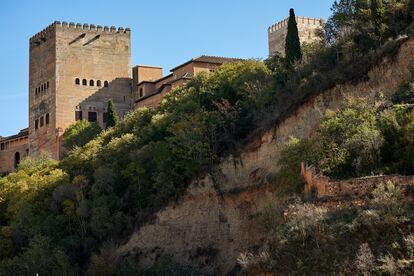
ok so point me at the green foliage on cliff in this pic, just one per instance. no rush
(101, 191)
(61, 216)
(374, 239)
(358, 140)
(80, 133)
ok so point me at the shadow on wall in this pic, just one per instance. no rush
(94, 106)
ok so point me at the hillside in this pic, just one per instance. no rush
(209, 182)
(216, 219)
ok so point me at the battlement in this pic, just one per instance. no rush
(45, 33)
(300, 20)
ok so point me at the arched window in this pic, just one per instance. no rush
(77, 81)
(41, 88)
(106, 84)
(84, 82)
(47, 85)
(16, 159)
(91, 83)
(36, 91)
(98, 83)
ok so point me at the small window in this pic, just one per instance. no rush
(92, 116)
(98, 83)
(91, 83)
(16, 159)
(104, 116)
(78, 115)
(36, 123)
(41, 88)
(36, 91)
(41, 121)
(47, 85)
(84, 82)
(124, 99)
(47, 118)
(141, 92)
(2, 146)
(106, 84)
(77, 81)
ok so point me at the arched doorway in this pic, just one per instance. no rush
(16, 159)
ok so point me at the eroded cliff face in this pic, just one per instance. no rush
(215, 220)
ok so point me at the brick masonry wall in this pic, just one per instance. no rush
(60, 54)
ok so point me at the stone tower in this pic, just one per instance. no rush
(73, 71)
(307, 28)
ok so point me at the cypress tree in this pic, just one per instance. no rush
(377, 17)
(292, 48)
(111, 116)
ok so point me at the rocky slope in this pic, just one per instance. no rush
(215, 220)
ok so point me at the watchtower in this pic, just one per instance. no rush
(74, 69)
(307, 28)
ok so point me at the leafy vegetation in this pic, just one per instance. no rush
(112, 118)
(67, 218)
(376, 238)
(80, 133)
(292, 49)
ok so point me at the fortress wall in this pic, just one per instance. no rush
(307, 28)
(42, 68)
(9, 149)
(59, 55)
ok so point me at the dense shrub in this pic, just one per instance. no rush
(353, 241)
(80, 133)
(113, 181)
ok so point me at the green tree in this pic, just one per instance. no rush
(377, 17)
(292, 48)
(112, 117)
(80, 133)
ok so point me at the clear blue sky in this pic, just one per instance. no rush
(165, 33)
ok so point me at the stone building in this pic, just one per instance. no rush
(13, 149)
(149, 87)
(308, 33)
(73, 71)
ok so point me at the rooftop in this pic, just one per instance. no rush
(209, 59)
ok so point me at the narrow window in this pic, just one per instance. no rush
(36, 123)
(98, 83)
(84, 82)
(92, 117)
(47, 85)
(78, 115)
(2, 146)
(41, 121)
(124, 99)
(91, 83)
(104, 116)
(36, 91)
(77, 81)
(141, 92)
(16, 159)
(106, 84)
(47, 118)
(41, 88)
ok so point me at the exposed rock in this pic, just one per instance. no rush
(214, 221)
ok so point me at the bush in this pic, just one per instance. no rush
(80, 133)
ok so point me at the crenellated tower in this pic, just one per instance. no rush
(308, 33)
(74, 70)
